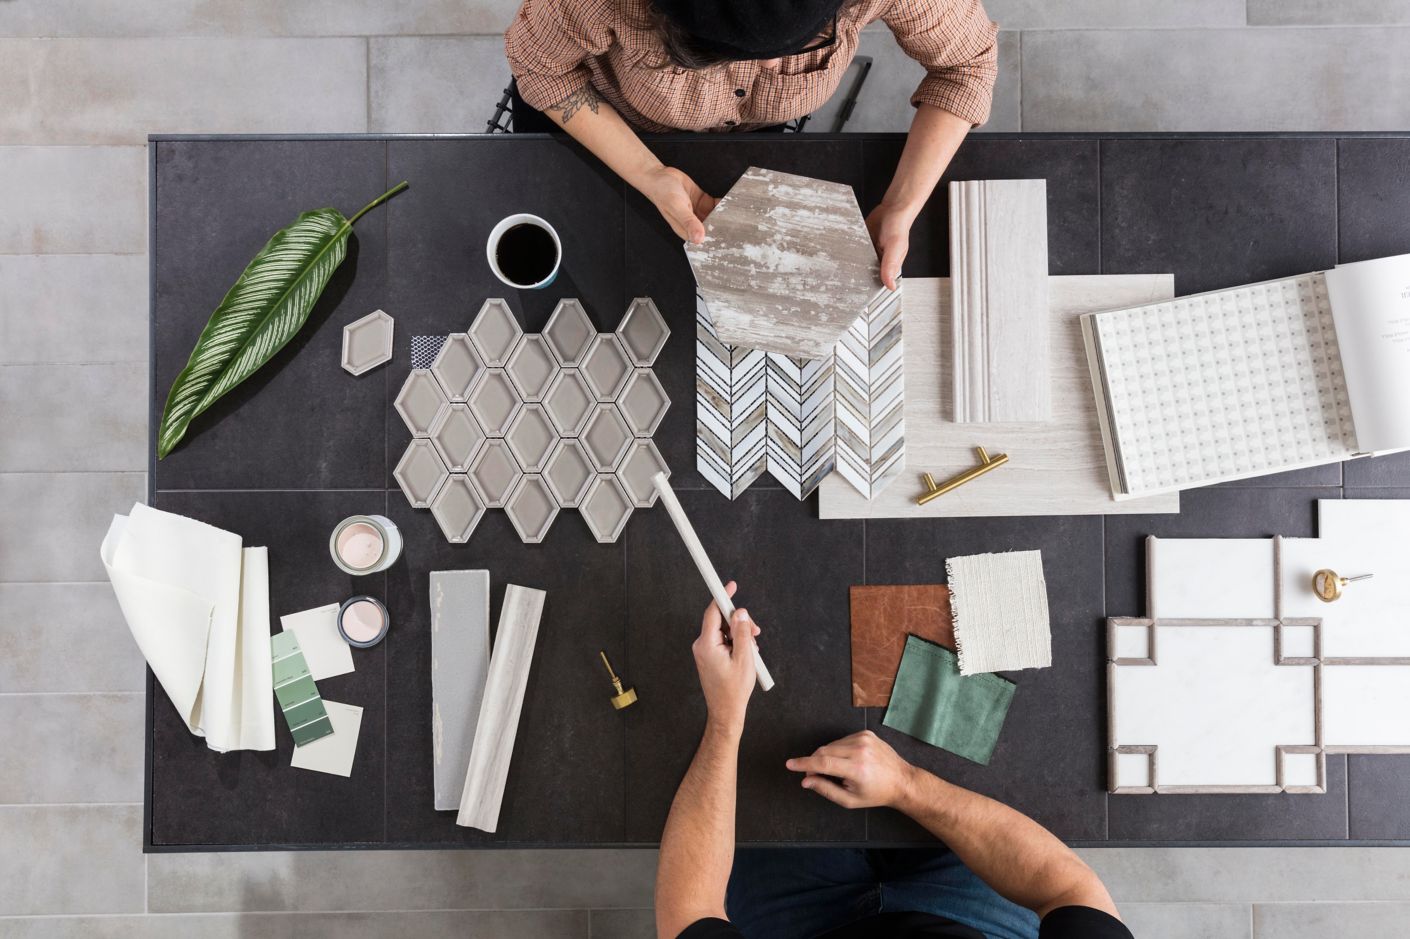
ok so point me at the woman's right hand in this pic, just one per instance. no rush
(682, 203)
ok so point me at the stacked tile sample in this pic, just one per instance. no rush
(534, 424)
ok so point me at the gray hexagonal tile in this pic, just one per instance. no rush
(569, 402)
(420, 473)
(458, 509)
(495, 332)
(642, 463)
(494, 473)
(531, 437)
(458, 366)
(457, 436)
(532, 367)
(643, 331)
(495, 402)
(569, 473)
(367, 342)
(606, 438)
(606, 367)
(643, 402)
(606, 508)
(531, 509)
(569, 331)
(420, 401)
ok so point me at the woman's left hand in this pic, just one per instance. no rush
(890, 230)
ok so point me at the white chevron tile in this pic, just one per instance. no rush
(801, 421)
(730, 410)
(870, 394)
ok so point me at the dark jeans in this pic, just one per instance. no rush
(783, 893)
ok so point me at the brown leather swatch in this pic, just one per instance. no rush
(882, 617)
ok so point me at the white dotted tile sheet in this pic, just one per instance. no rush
(1225, 384)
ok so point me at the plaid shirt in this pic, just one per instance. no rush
(555, 47)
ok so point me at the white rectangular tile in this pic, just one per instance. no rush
(1249, 875)
(460, 659)
(69, 418)
(1114, 14)
(117, 91)
(61, 859)
(1188, 920)
(404, 880)
(72, 200)
(1318, 920)
(56, 521)
(431, 85)
(1181, 571)
(66, 637)
(71, 747)
(70, 308)
(440, 924)
(1328, 12)
(1255, 79)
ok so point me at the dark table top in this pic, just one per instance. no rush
(303, 444)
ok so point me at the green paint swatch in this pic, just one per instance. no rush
(933, 702)
(296, 691)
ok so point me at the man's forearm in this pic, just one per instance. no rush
(1009, 851)
(697, 847)
(934, 137)
(594, 123)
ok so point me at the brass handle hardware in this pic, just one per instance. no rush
(986, 463)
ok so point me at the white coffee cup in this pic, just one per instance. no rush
(504, 225)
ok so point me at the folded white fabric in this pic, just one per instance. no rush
(1000, 607)
(197, 603)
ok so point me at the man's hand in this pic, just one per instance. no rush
(725, 660)
(890, 230)
(857, 772)
(682, 203)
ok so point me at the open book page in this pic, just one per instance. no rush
(1371, 306)
(1223, 385)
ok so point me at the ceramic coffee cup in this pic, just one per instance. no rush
(522, 259)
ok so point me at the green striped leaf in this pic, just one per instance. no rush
(265, 308)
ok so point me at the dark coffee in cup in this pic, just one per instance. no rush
(526, 254)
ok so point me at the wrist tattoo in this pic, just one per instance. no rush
(584, 97)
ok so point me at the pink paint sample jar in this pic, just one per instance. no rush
(363, 621)
(365, 544)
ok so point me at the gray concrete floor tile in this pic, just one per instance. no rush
(73, 418)
(1188, 920)
(1318, 920)
(57, 521)
(529, 924)
(1328, 12)
(66, 637)
(73, 200)
(62, 859)
(1114, 14)
(430, 85)
(624, 924)
(71, 308)
(1249, 875)
(75, 747)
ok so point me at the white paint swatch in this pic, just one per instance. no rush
(324, 648)
(334, 753)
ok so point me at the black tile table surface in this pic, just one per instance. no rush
(303, 444)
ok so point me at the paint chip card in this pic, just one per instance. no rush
(323, 646)
(334, 753)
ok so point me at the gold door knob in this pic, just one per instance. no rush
(621, 698)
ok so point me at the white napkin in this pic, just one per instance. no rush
(198, 605)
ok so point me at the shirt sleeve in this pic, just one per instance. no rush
(1082, 922)
(957, 44)
(711, 928)
(548, 42)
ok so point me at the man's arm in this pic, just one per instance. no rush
(1009, 851)
(697, 847)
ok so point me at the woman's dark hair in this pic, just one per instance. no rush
(683, 50)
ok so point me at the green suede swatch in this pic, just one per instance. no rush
(933, 702)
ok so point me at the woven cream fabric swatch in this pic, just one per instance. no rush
(1000, 606)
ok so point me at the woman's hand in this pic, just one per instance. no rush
(857, 772)
(681, 203)
(890, 230)
(725, 662)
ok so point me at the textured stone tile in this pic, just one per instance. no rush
(1114, 14)
(70, 418)
(1249, 875)
(66, 637)
(73, 308)
(1328, 12)
(1286, 79)
(61, 859)
(72, 200)
(1316, 920)
(71, 747)
(404, 880)
(79, 18)
(431, 85)
(113, 91)
(1187, 920)
(624, 924)
(445, 924)
(56, 521)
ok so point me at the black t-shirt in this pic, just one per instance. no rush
(1066, 922)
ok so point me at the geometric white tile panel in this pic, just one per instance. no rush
(1211, 578)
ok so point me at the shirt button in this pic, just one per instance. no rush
(739, 92)
(729, 123)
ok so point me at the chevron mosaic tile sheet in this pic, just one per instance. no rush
(871, 430)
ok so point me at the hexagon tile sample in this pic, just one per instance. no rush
(533, 424)
(367, 342)
(786, 265)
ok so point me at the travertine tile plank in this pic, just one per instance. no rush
(117, 91)
(63, 859)
(66, 637)
(435, 85)
(73, 308)
(447, 924)
(1316, 920)
(1188, 920)
(1328, 12)
(73, 418)
(1283, 79)
(1250, 875)
(72, 200)
(56, 521)
(71, 747)
(403, 880)
(1114, 14)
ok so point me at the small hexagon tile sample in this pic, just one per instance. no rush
(533, 424)
(367, 342)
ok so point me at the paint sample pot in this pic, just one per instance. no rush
(365, 544)
(363, 621)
